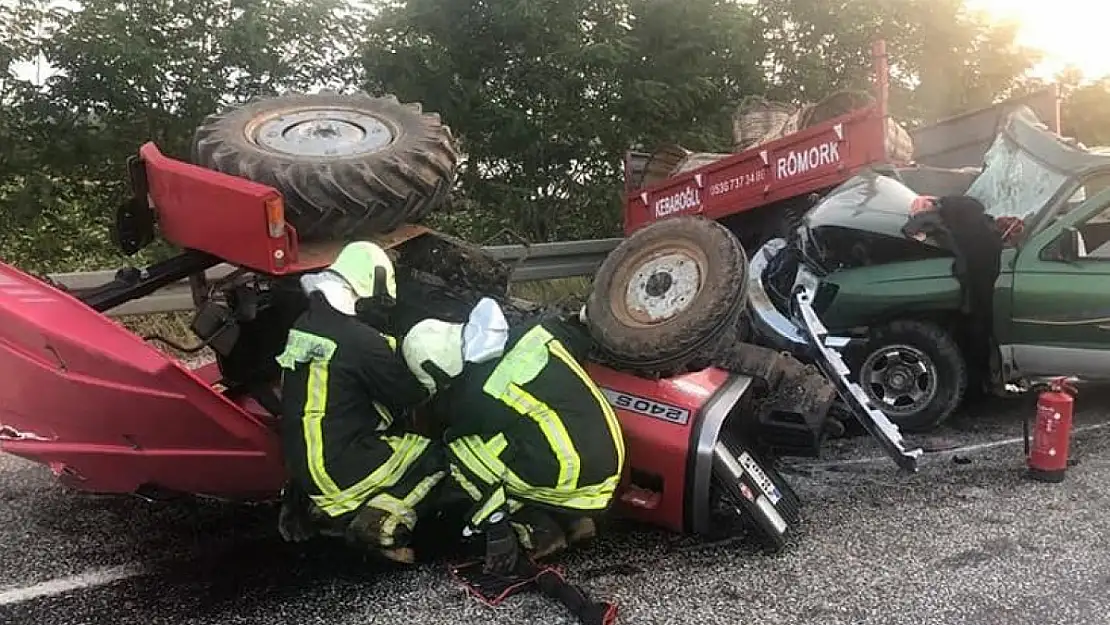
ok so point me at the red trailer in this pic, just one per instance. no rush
(808, 161)
(751, 190)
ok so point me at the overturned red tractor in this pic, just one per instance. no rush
(275, 188)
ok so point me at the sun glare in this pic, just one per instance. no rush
(1067, 31)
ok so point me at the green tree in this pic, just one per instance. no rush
(147, 70)
(546, 96)
(1084, 113)
(944, 58)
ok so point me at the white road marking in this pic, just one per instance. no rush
(62, 585)
(945, 453)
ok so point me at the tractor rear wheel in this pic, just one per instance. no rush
(668, 295)
(347, 166)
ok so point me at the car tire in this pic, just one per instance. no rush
(918, 361)
(347, 166)
(668, 296)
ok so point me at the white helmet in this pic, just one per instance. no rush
(433, 351)
(367, 268)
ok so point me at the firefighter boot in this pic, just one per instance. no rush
(581, 529)
(371, 527)
(540, 535)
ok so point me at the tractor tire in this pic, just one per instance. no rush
(913, 371)
(665, 299)
(347, 166)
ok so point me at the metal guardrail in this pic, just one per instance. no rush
(538, 261)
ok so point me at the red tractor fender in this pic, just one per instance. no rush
(670, 429)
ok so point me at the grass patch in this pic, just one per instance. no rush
(557, 291)
(173, 326)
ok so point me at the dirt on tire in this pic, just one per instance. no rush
(347, 166)
(672, 320)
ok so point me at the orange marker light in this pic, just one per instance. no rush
(275, 217)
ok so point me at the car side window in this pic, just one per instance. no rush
(1094, 236)
(1094, 233)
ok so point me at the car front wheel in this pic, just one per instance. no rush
(914, 372)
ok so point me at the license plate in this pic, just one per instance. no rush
(760, 478)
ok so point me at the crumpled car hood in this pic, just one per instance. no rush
(869, 202)
(860, 224)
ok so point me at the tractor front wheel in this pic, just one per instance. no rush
(668, 296)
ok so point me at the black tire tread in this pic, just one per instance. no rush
(688, 341)
(938, 343)
(340, 197)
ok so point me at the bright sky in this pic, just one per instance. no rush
(1068, 31)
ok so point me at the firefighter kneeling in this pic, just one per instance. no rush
(530, 437)
(356, 469)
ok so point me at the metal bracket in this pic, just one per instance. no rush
(833, 366)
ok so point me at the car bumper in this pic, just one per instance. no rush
(769, 324)
(809, 337)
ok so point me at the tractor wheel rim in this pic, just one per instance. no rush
(323, 132)
(662, 288)
(899, 378)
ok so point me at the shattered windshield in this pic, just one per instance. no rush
(1013, 183)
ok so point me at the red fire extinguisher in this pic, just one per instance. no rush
(1047, 456)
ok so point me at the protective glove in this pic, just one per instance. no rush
(502, 548)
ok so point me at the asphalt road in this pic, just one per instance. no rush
(966, 542)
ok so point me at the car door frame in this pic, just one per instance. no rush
(1044, 358)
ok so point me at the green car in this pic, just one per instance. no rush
(900, 301)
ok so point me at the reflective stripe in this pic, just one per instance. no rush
(406, 450)
(611, 419)
(303, 347)
(468, 450)
(474, 454)
(521, 365)
(465, 483)
(385, 414)
(570, 464)
(383, 411)
(492, 504)
(497, 445)
(313, 424)
(403, 510)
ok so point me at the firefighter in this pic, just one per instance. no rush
(352, 459)
(530, 437)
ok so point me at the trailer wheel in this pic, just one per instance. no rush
(914, 372)
(347, 165)
(667, 296)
